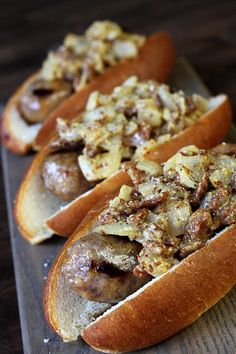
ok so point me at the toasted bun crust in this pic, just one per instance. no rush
(16, 134)
(156, 311)
(155, 60)
(207, 132)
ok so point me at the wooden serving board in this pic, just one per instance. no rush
(214, 332)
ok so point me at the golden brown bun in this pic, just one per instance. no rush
(207, 132)
(154, 61)
(16, 134)
(156, 311)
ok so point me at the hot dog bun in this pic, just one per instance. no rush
(156, 311)
(155, 60)
(207, 132)
(35, 204)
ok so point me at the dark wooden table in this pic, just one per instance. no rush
(204, 32)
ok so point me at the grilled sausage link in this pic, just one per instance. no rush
(41, 98)
(63, 177)
(101, 267)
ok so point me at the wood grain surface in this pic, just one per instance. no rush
(204, 31)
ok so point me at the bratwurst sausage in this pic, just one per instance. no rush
(63, 177)
(101, 267)
(42, 97)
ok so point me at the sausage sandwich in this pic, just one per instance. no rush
(101, 58)
(154, 258)
(138, 119)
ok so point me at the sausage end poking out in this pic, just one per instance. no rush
(63, 177)
(101, 268)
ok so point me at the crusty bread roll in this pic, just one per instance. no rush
(155, 60)
(207, 132)
(159, 309)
